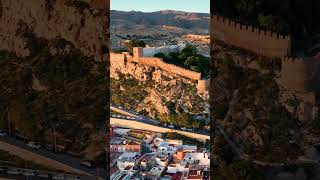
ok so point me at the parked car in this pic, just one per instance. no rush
(113, 115)
(183, 128)
(2, 133)
(13, 171)
(34, 145)
(190, 130)
(49, 147)
(2, 170)
(58, 177)
(171, 126)
(87, 163)
(28, 173)
(72, 178)
(43, 175)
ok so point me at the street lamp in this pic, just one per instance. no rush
(25, 161)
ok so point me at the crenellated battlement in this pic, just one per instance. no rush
(238, 26)
(118, 60)
(252, 38)
(159, 63)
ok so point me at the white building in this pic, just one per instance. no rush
(151, 51)
(127, 160)
(163, 160)
(196, 158)
(156, 171)
(169, 147)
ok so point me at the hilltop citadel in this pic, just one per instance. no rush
(298, 74)
(144, 56)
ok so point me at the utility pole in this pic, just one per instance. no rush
(54, 139)
(8, 119)
(25, 161)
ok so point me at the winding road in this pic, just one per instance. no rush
(73, 162)
(148, 120)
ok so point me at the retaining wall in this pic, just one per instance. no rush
(139, 125)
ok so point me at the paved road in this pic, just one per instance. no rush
(62, 158)
(148, 120)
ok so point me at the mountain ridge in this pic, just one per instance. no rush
(181, 19)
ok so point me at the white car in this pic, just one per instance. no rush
(132, 118)
(171, 126)
(43, 175)
(73, 178)
(58, 177)
(3, 134)
(86, 163)
(183, 128)
(13, 171)
(113, 115)
(28, 173)
(34, 145)
(118, 116)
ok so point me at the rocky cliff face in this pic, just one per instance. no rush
(154, 91)
(52, 54)
(267, 120)
(79, 22)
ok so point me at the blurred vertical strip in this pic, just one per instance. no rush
(213, 126)
(107, 144)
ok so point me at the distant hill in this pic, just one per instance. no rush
(185, 20)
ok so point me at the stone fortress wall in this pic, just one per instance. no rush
(118, 60)
(297, 73)
(248, 37)
(300, 75)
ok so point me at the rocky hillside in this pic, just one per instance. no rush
(269, 122)
(73, 20)
(53, 73)
(154, 92)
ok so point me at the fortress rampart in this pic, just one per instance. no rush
(300, 74)
(118, 60)
(158, 62)
(251, 38)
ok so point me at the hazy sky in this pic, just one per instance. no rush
(202, 6)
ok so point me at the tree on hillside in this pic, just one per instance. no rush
(161, 55)
(274, 23)
(134, 43)
(189, 50)
(245, 7)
